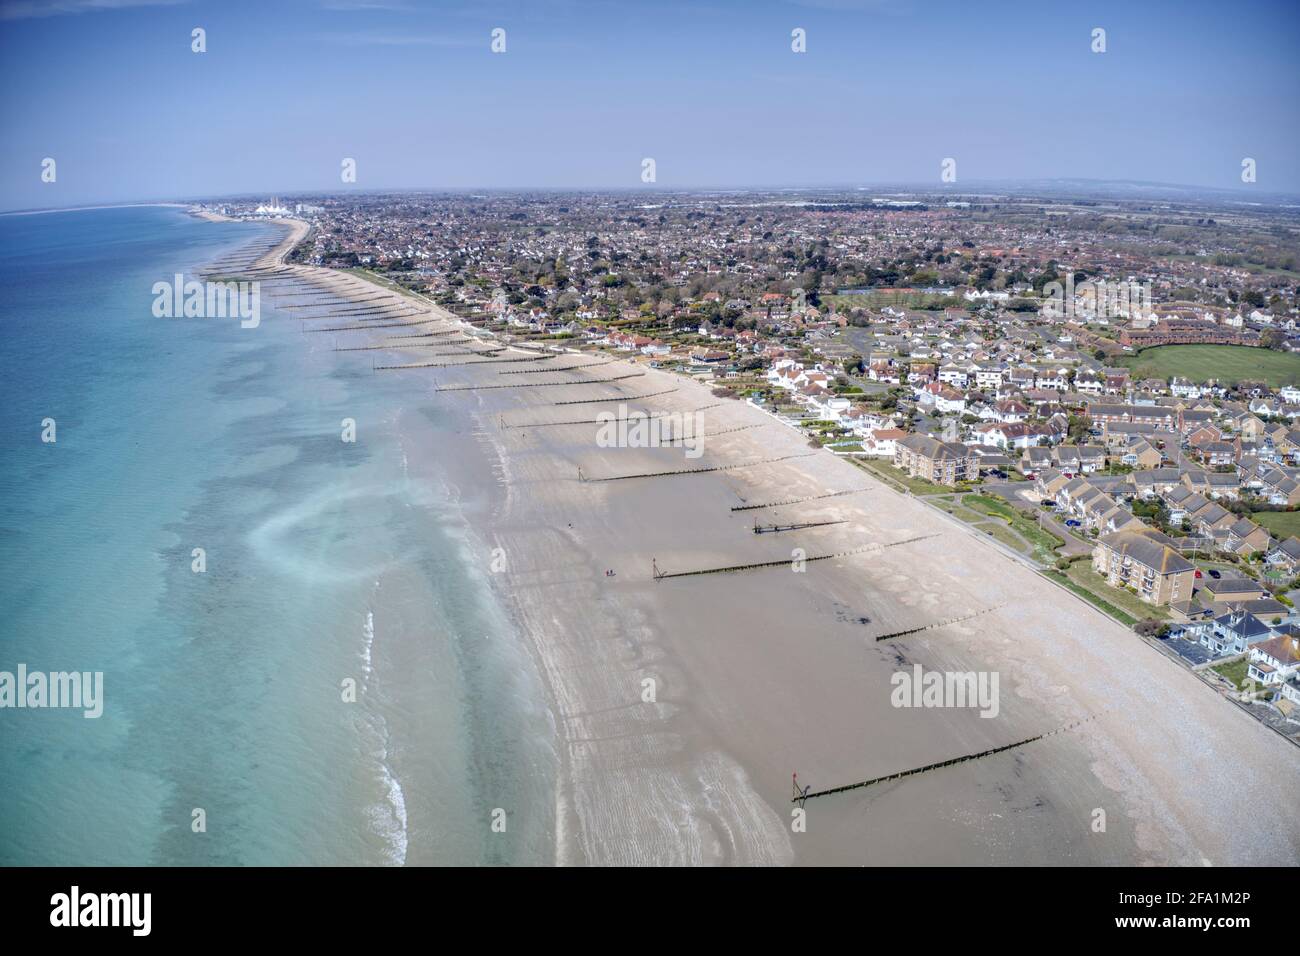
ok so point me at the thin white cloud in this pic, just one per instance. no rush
(34, 9)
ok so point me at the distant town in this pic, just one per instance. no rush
(1106, 389)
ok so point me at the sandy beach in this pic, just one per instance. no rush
(685, 704)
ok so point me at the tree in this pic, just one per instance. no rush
(1272, 339)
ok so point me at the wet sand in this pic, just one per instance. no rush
(762, 673)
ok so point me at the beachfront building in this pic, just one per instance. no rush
(944, 463)
(1155, 571)
(1276, 660)
(1235, 633)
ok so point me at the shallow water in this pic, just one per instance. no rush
(326, 562)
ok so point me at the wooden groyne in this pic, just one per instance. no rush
(490, 361)
(597, 381)
(778, 528)
(784, 562)
(938, 624)
(798, 501)
(599, 421)
(337, 300)
(430, 335)
(418, 345)
(562, 368)
(619, 398)
(332, 294)
(702, 471)
(374, 312)
(953, 761)
(367, 328)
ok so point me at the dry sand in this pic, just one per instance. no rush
(762, 673)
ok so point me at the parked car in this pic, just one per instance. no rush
(1073, 523)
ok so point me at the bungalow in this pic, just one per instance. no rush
(1231, 588)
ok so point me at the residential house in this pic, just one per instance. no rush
(1234, 633)
(1285, 556)
(1231, 588)
(1277, 659)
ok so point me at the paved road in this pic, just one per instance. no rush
(1012, 491)
(1073, 546)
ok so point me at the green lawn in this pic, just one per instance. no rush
(1045, 543)
(1228, 363)
(1283, 524)
(917, 486)
(1091, 598)
(1237, 672)
(1082, 574)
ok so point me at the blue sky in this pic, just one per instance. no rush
(587, 88)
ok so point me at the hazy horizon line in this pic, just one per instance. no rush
(911, 187)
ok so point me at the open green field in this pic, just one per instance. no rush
(1227, 363)
(1283, 524)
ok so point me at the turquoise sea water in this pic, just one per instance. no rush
(327, 561)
